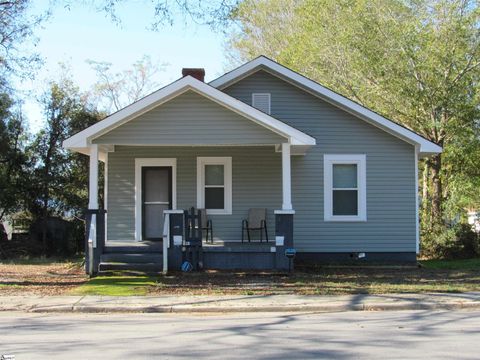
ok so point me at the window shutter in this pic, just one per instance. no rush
(261, 101)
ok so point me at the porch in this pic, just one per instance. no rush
(148, 256)
(124, 239)
(186, 145)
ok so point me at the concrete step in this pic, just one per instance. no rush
(149, 268)
(135, 258)
(132, 247)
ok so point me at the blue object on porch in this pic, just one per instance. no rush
(290, 253)
(187, 266)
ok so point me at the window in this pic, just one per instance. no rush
(344, 179)
(261, 101)
(214, 184)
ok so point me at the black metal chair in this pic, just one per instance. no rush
(206, 224)
(257, 220)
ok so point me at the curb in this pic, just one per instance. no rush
(178, 309)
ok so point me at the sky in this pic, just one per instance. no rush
(80, 33)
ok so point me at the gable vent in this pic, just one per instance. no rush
(261, 101)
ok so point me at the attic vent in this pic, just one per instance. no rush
(261, 101)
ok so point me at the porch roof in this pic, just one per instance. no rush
(81, 141)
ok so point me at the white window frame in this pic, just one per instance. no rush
(269, 101)
(147, 162)
(227, 183)
(356, 159)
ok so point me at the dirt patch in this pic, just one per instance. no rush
(40, 279)
(324, 281)
(62, 278)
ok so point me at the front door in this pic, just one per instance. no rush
(156, 197)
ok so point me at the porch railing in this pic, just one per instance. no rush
(94, 239)
(166, 241)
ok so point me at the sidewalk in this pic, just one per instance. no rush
(274, 303)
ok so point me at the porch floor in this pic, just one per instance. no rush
(113, 246)
(235, 246)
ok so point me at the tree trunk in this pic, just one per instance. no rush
(426, 173)
(425, 204)
(435, 165)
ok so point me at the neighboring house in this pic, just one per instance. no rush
(17, 224)
(474, 219)
(338, 180)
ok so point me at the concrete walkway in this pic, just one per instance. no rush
(273, 303)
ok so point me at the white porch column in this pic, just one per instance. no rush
(93, 178)
(286, 178)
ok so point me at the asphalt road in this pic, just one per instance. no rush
(348, 335)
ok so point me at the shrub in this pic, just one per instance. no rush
(455, 242)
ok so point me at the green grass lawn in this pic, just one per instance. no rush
(116, 286)
(464, 264)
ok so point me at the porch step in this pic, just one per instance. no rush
(149, 268)
(132, 248)
(132, 258)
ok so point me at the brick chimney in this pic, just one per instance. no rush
(197, 73)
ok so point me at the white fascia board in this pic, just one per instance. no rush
(426, 147)
(83, 138)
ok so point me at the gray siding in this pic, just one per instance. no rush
(390, 225)
(190, 119)
(256, 182)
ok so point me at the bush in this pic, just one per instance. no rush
(456, 242)
(64, 238)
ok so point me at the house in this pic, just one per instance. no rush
(473, 217)
(338, 180)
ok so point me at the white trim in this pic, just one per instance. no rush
(105, 193)
(269, 101)
(173, 211)
(166, 240)
(92, 234)
(84, 138)
(328, 161)
(284, 212)
(417, 215)
(286, 178)
(93, 178)
(227, 178)
(426, 147)
(142, 162)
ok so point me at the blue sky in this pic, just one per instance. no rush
(80, 33)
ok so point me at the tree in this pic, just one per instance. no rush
(416, 62)
(60, 177)
(215, 13)
(13, 160)
(114, 91)
(16, 26)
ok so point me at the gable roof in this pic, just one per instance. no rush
(426, 147)
(80, 142)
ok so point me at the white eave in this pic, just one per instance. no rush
(426, 147)
(81, 141)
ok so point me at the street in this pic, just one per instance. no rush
(346, 335)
